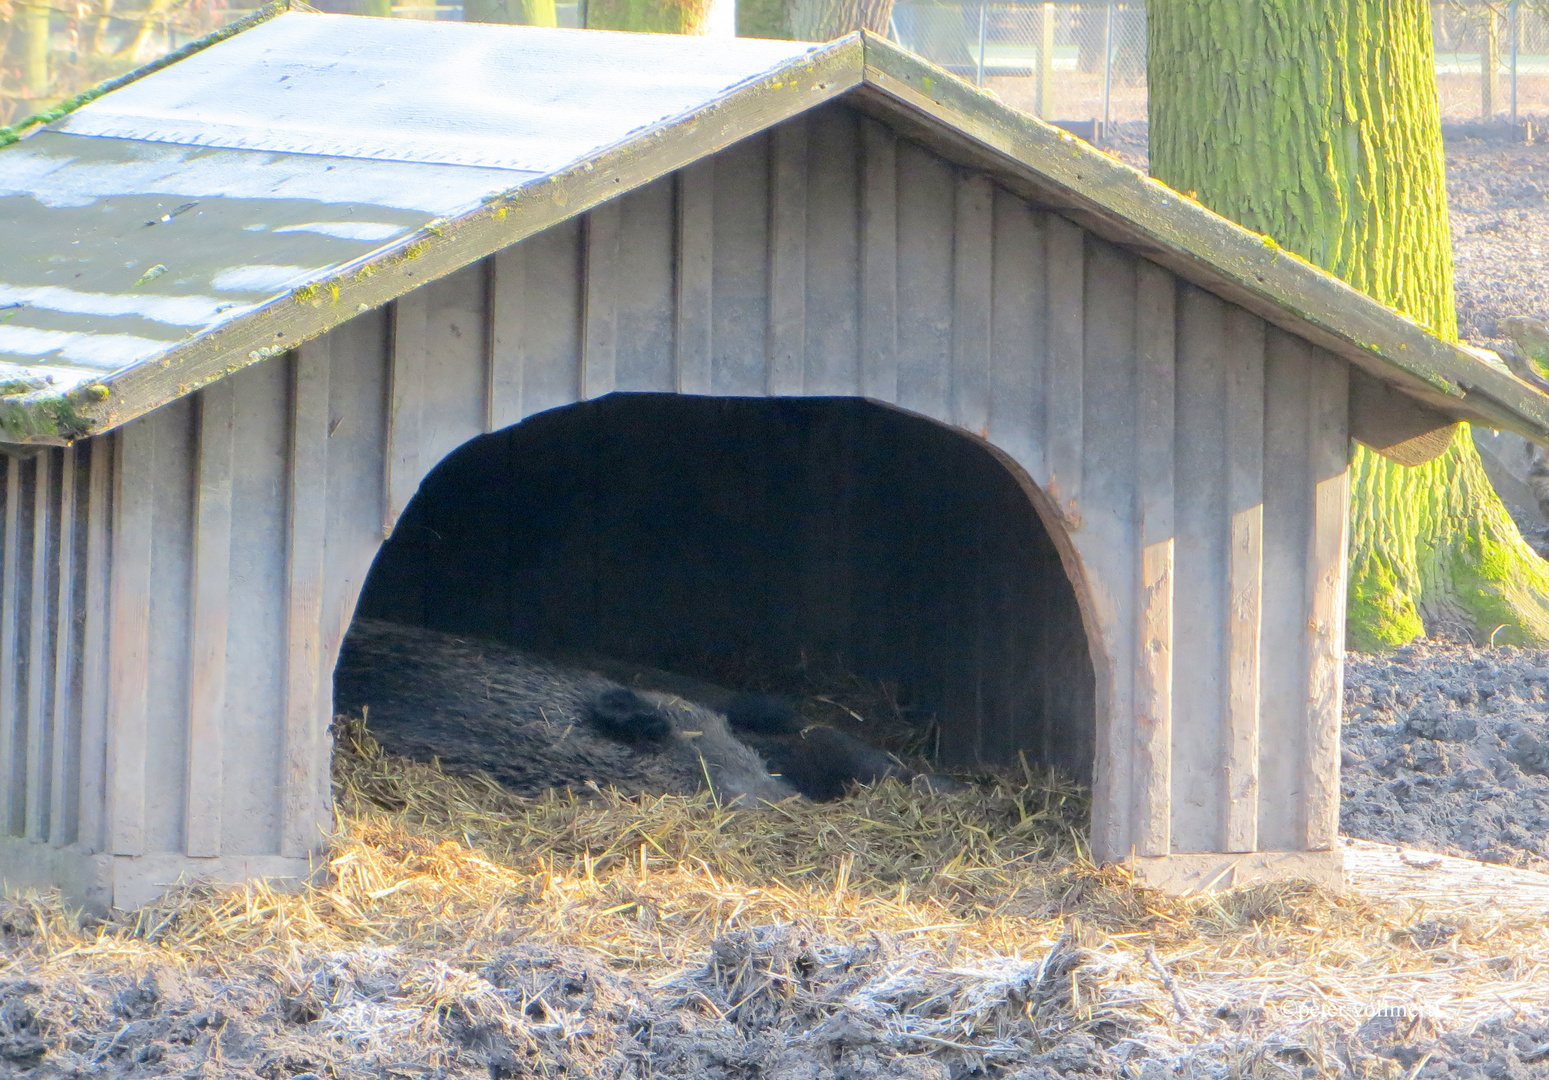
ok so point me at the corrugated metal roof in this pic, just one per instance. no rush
(262, 190)
(447, 93)
(207, 190)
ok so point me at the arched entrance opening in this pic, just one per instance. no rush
(763, 543)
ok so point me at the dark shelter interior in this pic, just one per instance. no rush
(771, 543)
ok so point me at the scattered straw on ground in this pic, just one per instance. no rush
(457, 930)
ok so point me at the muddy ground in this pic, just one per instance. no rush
(1446, 748)
(769, 1003)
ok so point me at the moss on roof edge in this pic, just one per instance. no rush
(14, 133)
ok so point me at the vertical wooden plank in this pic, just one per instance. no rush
(169, 646)
(739, 351)
(926, 197)
(1288, 491)
(1018, 337)
(645, 298)
(1155, 316)
(212, 568)
(879, 261)
(40, 676)
(257, 644)
(304, 757)
(1245, 574)
(406, 396)
(452, 407)
(833, 251)
(1108, 535)
(95, 661)
(788, 257)
(64, 755)
(599, 359)
(696, 251)
(11, 762)
(1065, 286)
(972, 294)
(1200, 600)
(553, 316)
(507, 296)
(129, 635)
(1329, 442)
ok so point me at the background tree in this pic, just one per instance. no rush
(1316, 122)
(811, 20)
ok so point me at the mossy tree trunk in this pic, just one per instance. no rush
(1316, 122)
(811, 20)
(33, 20)
(520, 12)
(654, 16)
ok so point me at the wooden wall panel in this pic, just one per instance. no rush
(96, 592)
(1109, 469)
(1328, 453)
(402, 467)
(604, 278)
(1019, 313)
(538, 307)
(739, 315)
(1245, 575)
(879, 261)
(357, 432)
(831, 347)
(1288, 496)
(1064, 397)
(216, 410)
(169, 642)
(506, 290)
(13, 759)
(65, 753)
(40, 642)
(695, 189)
(304, 743)
(1155, 404)
(927, 200)
(644, 318)
(973, 278)
(451, 408)
(788, 159)
(253, 736)
(134, 458)
(1200, 598)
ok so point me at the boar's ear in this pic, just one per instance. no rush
(627, 717)
(769, 714)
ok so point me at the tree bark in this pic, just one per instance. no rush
(811, 20)
(824, 20)
(519, 12)
(34, 27)
(1316, 122)
(654, 16)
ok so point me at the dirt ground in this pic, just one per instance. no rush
(1446, 748)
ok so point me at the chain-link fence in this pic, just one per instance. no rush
(1074, 62)
(1085, 63)
(1492, 59)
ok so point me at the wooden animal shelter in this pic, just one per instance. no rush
(256, 296)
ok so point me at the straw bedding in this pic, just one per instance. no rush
(459, 930)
